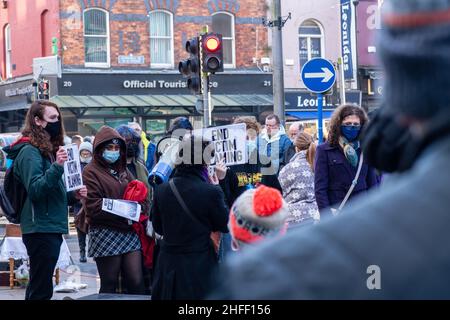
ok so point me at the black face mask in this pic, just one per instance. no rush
(53, 129)
(390, 147)
(132, 151)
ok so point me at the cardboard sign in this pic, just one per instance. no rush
(229, 143)
(123, 208)
(72, 168)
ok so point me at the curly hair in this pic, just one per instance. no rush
(338, 116)
(250, 123)
(38, 136)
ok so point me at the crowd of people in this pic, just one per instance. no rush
(301, 219)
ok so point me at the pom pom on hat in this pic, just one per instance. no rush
(266, 201)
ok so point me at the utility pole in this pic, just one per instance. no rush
(277, 57)
(205, 86)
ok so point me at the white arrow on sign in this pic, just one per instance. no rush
(326, 75)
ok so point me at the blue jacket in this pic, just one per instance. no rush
(334, 176)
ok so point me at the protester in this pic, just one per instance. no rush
(38, 163)
(187, 259)
(297, 182)
(337, 160)
(113, 243)
(147, 154)
(85, 159)
(294, 129)
(257, 214)
(77, 139)
(388, 244)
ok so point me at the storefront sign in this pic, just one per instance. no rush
(305, 101)
(131, 60)
(142, 84)
(346, 43)
(19, 91)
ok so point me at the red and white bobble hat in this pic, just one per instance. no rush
(256, 214)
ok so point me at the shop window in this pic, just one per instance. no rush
(310, 41)
(223, 23)
(161, 39)
(96, 38)
(7, 46)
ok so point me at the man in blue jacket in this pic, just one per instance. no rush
(391, 243)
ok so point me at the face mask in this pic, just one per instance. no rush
(53, 129)
(86, 160)
(111, 156)
(350, 132)
(132, 151)
(251, 146)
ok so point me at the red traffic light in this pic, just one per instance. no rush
(212, 44)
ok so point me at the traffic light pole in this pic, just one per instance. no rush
(206, 101)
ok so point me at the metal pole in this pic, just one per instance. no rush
(320, 117)
(206, 101)
(277, 56)
(341, 80)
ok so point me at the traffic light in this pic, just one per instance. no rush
(43, 90)
(212, 53)
(190, 68)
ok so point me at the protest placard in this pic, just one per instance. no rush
(72, 168)
(229, 143)
(127, 209)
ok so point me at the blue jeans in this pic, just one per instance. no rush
(224, 247)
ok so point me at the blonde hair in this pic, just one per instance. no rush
(304, 141)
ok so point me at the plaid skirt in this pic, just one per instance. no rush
(105, 242)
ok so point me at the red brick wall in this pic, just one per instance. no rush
(136, 24)
(24, 18)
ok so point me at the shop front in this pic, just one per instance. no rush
(15, 98)
(303, 107)
(90, 100)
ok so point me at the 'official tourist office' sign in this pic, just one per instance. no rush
(144, 84)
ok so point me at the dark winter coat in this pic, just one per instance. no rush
(101, 183)
(45, 209)
(397, 235)
(187, 258)
(334, 176)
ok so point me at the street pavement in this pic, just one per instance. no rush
(85, 273)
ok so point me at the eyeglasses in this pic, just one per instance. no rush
(354, 124)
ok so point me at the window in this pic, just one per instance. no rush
(161, 39)
(223, 23)
(7, 38)
(46, 44)
(96, 38)
(311, 41)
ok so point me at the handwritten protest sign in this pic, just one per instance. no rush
(229, 143)
(72, 168)
(123, 208)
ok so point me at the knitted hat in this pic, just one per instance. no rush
(414, 48)
(86, 146)
(256, 214)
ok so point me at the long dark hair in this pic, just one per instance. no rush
(338, 116)
(38, 136)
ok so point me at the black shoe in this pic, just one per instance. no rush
(83, 257)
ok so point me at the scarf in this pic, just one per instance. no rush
(350, 150)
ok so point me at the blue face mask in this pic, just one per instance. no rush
(350, 132)
(111, 156)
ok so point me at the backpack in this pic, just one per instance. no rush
(12, 196)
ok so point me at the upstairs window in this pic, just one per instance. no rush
(96, 38)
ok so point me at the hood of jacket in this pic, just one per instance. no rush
(13, 150)
(104, 135)
(275, 137)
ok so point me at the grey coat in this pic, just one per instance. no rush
(400, 230)
(297, 182)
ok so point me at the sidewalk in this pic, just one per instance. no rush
(85, 273)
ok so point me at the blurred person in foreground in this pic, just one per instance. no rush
(387, 244)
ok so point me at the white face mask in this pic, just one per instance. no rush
(86, 160)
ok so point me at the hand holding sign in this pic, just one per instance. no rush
(61, 156)
(81, 193)
(221, 170)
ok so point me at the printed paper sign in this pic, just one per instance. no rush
(72, 168)
(127, 209)
(229, 143)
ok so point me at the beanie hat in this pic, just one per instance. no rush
(414, 48)
(129, 134)
(86, 146)
(256, 214)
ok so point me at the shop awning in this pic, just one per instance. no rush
(122, 101)
(308, 115)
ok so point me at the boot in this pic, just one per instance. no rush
(83, 256)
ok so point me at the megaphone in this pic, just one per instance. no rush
(169, 148)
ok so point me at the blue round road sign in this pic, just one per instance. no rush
(318, 75)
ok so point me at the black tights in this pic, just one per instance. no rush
(130, 264)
